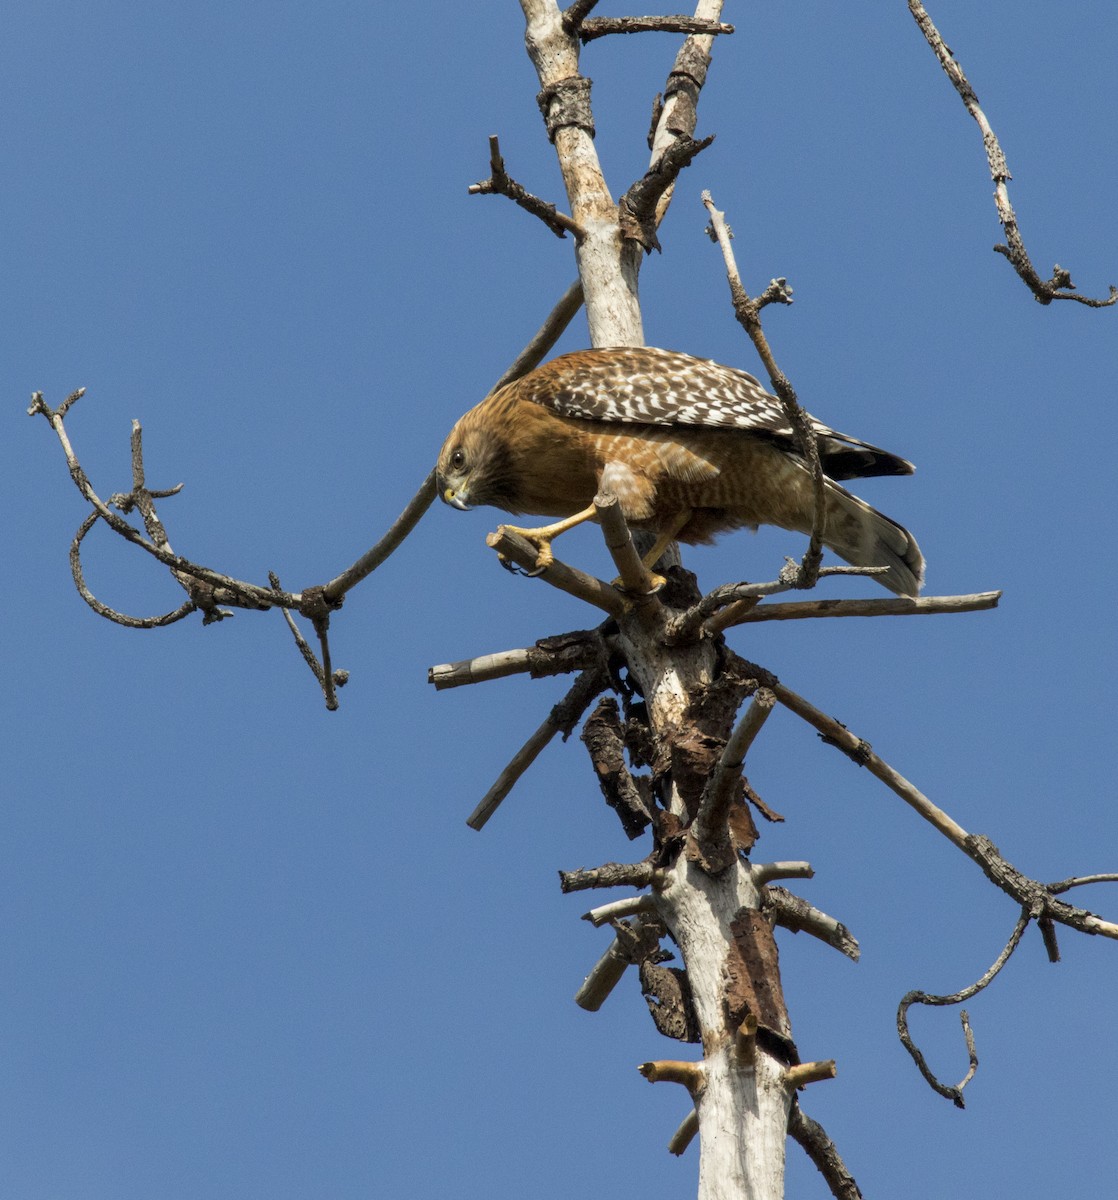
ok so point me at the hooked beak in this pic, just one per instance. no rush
(456, 499)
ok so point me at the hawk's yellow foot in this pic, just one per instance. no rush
(665, 538)
(543, 536)
(655, 582)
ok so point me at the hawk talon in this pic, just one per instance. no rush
(545, 556)
(516, 569)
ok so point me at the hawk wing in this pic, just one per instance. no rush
(646, 386)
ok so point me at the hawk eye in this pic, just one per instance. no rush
(458, 459)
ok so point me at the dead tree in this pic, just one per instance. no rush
(672, 710)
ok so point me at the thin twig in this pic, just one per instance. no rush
(301, 643)
(1060, 286)
(232, 591)
(836, 734)
(898, 606)
(597, 27)
(562, 719)
(397, 531)
(322, 628)
(1080, 881)
(1029, 893)
(500, 183)
(545, 337)
(323, 673)
(748, 312)
(813, 1140)
(736, 599)
(143, 499)
(710, 827)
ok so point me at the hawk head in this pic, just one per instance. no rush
(475, 467)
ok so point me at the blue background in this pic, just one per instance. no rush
(249, 948)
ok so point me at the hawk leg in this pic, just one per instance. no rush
(666, 536)
(663, 540)
(542, 537)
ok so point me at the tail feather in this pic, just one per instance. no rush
(864, 537)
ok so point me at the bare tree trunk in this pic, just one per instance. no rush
(712, 910)
(740, 1087)
(610, 289)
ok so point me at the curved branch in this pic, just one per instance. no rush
(1032, 895)
(685, 1134)
(1060, 286)
(228, 590)
(103, 610)
(955, 1094)
(631, 906)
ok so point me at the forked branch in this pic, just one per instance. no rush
(639, 209)
(222, 589)
(500, 183)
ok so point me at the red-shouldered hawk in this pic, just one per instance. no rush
(690, 449)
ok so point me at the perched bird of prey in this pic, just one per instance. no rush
(691, 449)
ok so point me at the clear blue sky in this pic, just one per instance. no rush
(249, 948)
